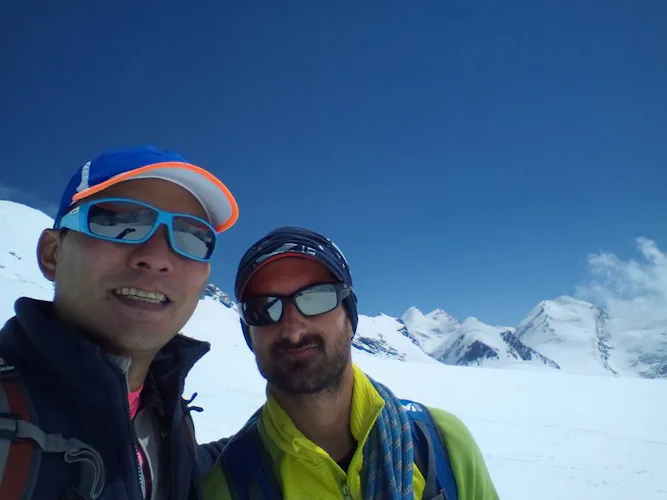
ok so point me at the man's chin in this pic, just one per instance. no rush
(137, 342)
(303, 379)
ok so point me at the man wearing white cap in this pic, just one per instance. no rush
(91, 400)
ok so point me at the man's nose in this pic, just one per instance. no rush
(155, 254)
(292, 323)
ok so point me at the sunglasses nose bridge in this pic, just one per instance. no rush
(159, 236)
(160, 229)
(292, 323)
(291, 313)
(163, 221)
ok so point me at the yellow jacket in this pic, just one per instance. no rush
(307, 472)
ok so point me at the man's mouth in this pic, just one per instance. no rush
(141, 295)
(302, 347)
(286, 348)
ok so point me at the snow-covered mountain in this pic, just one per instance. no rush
(431, 330)
(564, 333)
(471, 342)
(481, 344)
(571, 331)
(215, 293)
(387, 337)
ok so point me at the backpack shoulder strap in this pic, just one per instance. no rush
(431, 454)
(247, 465)
(22, 442)
(18, 458)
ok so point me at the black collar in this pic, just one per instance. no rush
(85, 367)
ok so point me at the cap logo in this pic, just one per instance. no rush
(85, 175)
(287, 247)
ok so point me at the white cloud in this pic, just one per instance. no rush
(634, 293)
(630, 290)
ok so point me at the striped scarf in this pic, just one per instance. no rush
(388, 452)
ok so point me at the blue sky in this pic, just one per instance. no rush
(468, 156)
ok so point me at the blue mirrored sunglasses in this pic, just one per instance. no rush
(122, 220)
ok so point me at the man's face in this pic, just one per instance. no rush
(300, 355)
(90, 275)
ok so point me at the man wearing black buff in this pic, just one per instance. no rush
(327, 430)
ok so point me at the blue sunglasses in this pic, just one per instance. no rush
(121, 220)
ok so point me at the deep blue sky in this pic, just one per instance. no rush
(464, 155)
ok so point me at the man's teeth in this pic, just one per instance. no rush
(141, 295)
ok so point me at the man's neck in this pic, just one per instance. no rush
(140, 361)
(137, 373)
(135, 368)
(324, 418)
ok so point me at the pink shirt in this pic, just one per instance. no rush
(135, 400)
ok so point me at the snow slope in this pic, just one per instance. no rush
(20, 227)
(545, 435)
(387, 337)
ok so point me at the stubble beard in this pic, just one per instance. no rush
(321, 374)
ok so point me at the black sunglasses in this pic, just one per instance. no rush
(309, 301)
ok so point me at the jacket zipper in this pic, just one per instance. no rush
(345, 490)
(135, 445)
(174, 423)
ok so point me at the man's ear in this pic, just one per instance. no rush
(48, 251)
(350, 330)
(246, 334)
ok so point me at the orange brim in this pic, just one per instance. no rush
(231, 220)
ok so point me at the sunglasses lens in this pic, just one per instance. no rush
(318, 299)
(193, 237)
(121, 220)
(127, 221)
(262, 311)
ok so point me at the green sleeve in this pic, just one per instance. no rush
(214, 484)
(472, 476)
